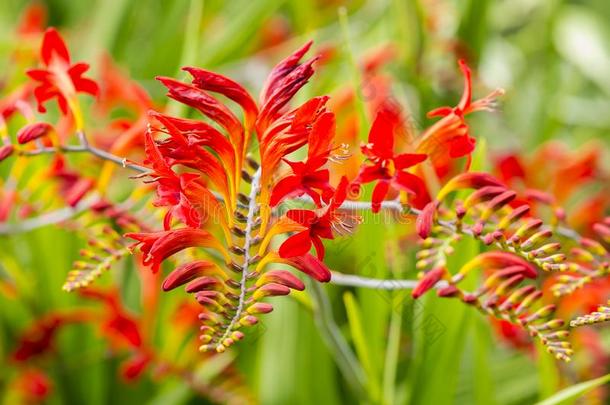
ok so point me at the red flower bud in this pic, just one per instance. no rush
(6, 151)
(33, 131)
(185, 273)
(425, 220)
(428, 281)
(282, 277)
(271, 290)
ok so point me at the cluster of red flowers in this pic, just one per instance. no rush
(225, 198)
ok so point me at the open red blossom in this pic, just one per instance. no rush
(60, 78)
(318, 225)
(450, 138)
(387, 168)
(308, 177)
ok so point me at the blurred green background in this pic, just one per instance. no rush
(553, 59)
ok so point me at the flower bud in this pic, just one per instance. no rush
(428, 281)
(33, 131)
(6, 151)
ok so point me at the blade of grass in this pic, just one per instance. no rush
(189, 49)
(575, 391)
(360, 342)
(347, 362)
(356, 77)
(238, 32)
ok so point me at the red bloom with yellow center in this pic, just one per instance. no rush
(388, 168)
(60, 78)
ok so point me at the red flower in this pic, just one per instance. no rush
(388, 168)
(61, 78)
(34, 385)
(37, 339)
(308, 177)
(157, 246)
(72, 186)
(122, 329)
(318, 225)
(449, 137)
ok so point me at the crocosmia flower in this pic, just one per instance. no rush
(449, 138)
(388, 168)
(318, 225)
(60, 78)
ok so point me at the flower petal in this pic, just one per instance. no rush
(53, 46)
(296, 245)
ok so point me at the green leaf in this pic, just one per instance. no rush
(575, 391)
(360, 342)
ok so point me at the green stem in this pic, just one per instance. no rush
(346, 360)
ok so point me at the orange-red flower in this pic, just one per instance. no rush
(157, 246)
(388, 168)
(318, 225)
(308, 177)
(60, 78)
(449, 138)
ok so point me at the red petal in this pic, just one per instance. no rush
(311, 266)
(211, 81)
(379, 193)
(281, 70)
(288, 186)
(382, 134)
(86, 86)
(409, 182)
(340, 193)
(133, 367)
(53, 45)
(296, 245)
(406, 160)
(208, 105)
(370, 173)
(321, 136)
(467, 94)
(440, 112)
(319, 246)
(461, 146)
(303, 217)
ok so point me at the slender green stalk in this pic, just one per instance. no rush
(189, 49)
(346, 360)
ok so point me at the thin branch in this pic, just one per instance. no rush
(351, 280)
(50, 218)
(87, 148)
